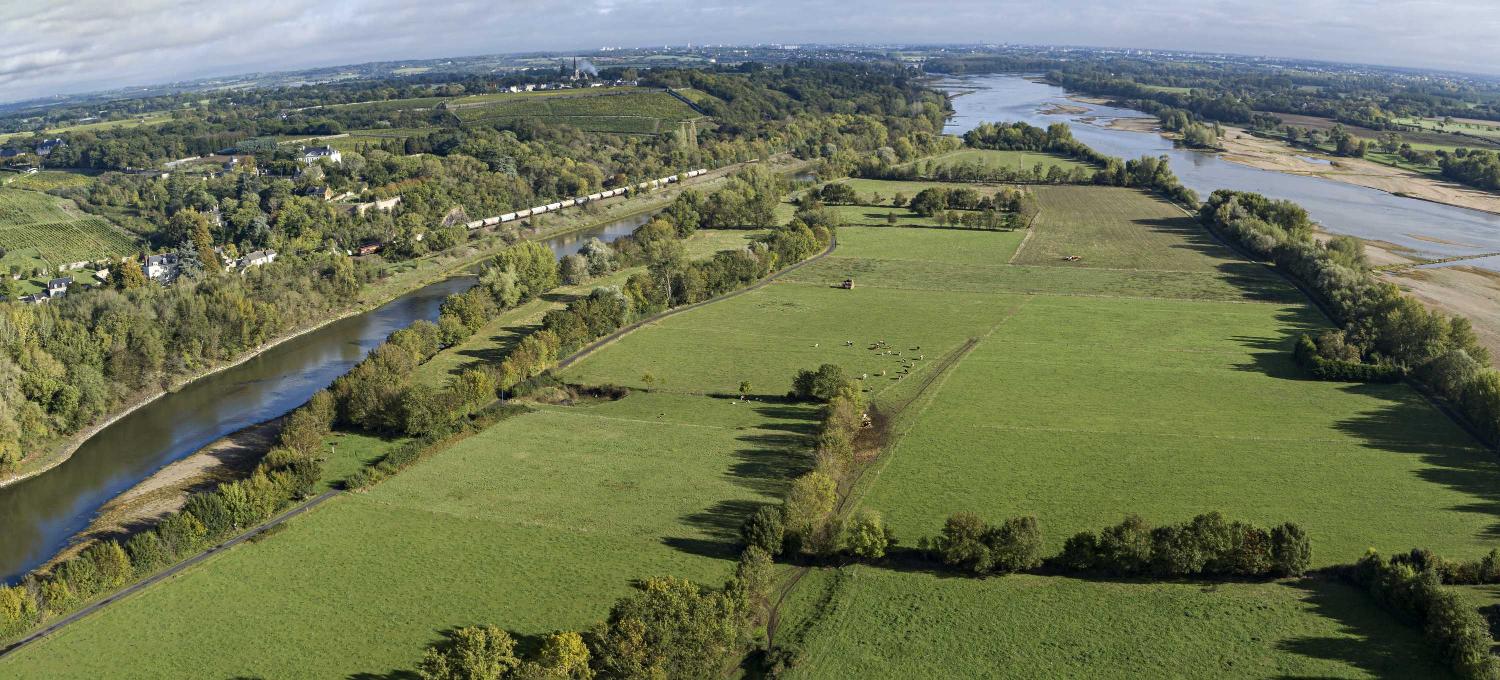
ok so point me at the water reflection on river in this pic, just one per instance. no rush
(1428, 228)
(39, 515)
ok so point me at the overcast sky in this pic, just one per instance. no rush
(65, 46)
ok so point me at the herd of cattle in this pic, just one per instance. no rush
(551, 207)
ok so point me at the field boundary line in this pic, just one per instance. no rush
(171, 571)
(612, 337)
(1032, 293)
(849, 500)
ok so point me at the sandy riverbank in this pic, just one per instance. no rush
(1458, 289)
(165, 492)
(1267, 154)
(1135, 124)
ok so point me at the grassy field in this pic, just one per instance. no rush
(493, 341)
(888, 189)
(624, 110)
(1117, 228)
(1488, 130)
(1152, 377)
(153, 118)
(38, 229)
(1011, 160)
(46, 180)
(411, 104)
(1031, 627)
(536, 524)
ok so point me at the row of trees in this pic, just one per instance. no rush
(1411, 586)
(1207, 545)
(1146, 172)
(670, 628)
(290, 471)
(1475, 167)
(1378, 324)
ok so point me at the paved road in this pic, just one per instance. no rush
(171, 571)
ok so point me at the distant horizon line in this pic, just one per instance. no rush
(124, 91)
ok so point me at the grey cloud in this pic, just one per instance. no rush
(57, 46)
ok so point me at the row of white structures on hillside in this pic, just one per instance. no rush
(553, 207)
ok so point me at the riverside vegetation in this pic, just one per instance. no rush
(994, 379)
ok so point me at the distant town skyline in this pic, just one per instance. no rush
(50, 47)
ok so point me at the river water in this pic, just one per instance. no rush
(1429, 228)
(39, 515)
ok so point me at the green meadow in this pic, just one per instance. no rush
(993, 159)
(888, 624)
(1152, 376)
(538, 523)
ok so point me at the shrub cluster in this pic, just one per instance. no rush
(290, 471)
(1308, 356)
(1380, 325)
(671, 628)
(1411, 586)
(970, 545)
(806, 522)
(1207, 545)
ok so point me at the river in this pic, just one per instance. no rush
(1429, 228)
(40, 514)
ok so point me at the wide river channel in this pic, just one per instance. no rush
(40, 514)
(1428, 228)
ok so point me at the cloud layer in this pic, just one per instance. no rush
(64, 46)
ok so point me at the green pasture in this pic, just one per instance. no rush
(1153, 376)
(538, 523)
(890, 624)
(624, 110)
(996, 159)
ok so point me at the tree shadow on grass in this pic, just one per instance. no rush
(526, 647)
(720, 526)
(1406, 423)
(504, 342)
(1271, 354)
(1381, 646)
(772, 455)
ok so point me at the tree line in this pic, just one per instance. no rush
(1411, 586)
(1146, 172)
(290, 471)
(1378, 324)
